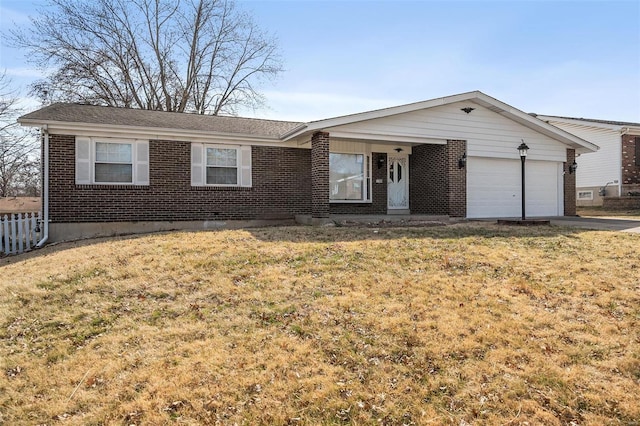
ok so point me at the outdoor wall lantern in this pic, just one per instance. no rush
(380, 162)
(522, 149)
(462, 162)
(573, 167)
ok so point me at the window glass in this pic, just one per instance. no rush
(222, 157)
(113, 163)
(346, 176)
(117, 173)
(222, 176)
(222, 166)
(113, 152)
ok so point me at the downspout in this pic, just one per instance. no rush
(45, 186)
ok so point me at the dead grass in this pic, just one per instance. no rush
(597, 211)
(466, 324)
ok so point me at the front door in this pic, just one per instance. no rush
(398, 182)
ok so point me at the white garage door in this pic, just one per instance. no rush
(493, 188)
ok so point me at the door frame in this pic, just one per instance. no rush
(391, 158)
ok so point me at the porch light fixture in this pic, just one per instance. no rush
(380, 162)
(522, 150)
(398, 149)
(573, 167)
(462, 162)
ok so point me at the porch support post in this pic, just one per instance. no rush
(570, 185)
(456, 178)
(320, 175)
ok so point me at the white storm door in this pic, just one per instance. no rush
(397, 182)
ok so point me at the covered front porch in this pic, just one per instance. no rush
(387, 177)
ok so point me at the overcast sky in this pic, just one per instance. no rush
(571, 58)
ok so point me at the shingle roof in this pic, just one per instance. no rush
(91, 114)
(613, 123)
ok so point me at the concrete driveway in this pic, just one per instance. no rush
(599, 223)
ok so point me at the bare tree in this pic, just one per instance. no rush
(19, 165)
(201, 56)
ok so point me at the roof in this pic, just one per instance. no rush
(102, 115)
(142, 123)
(477, 97)
(592, 120)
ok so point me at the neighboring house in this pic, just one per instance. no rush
(614, 170)
(115, 170)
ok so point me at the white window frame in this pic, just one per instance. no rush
(139, 165)
(95, 161)
(367, 180)
(238, 167)
(588, 193)
(199, 165)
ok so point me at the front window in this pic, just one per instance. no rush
(113, 163)
(348, 177)
(222, 166)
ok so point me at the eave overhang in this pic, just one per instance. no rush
(114, 131)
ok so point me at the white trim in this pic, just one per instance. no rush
(95, 162)
(476, 97)
(138, 178)
(366, 178)
(154, 133)
(629, 128)
(560, 180)
(406, 183)
(386, 138)
(589, 196)
(243, 163)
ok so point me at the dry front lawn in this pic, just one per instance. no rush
(459, 325)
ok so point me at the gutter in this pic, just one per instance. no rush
(45, 186)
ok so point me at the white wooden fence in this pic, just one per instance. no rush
(19, 232)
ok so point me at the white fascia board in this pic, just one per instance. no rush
(579, 122)
(106, 130)
(386, 138)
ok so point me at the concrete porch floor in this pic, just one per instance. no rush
(372, 218)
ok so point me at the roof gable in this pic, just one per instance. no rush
(472, 98)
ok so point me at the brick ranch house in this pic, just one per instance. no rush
(115, 170)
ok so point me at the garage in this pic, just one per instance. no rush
(493, 188)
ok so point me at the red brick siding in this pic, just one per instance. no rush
(456, 179)
(281, 188)
(428, 180)
(570, 185)
(320, 175)
(378, 204)
(630, 162)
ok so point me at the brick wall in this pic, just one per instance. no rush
(630, 164)
(378, 204)
(456, 179)
(570, 185)
(281, 188)
(428, 180)
(320, 175)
